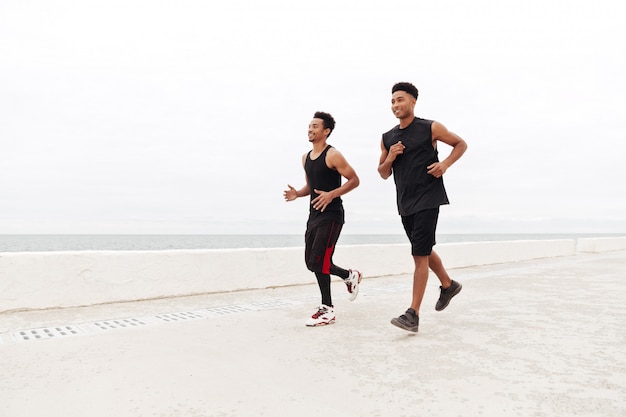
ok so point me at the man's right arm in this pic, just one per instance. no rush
(385, 165)
(291, 193)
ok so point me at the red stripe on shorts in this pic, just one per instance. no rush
(329, 251)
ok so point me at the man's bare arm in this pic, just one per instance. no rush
(459, 146)
(291, 193)
(335, 160)
(387, 157)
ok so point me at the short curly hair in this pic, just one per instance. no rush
(406, 87)
(329, 121)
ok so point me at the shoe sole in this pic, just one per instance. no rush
(324, 323)
(355, 292)
(458, 290)
(399, 324)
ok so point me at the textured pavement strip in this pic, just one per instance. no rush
(99, 326)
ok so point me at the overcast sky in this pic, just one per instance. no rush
(191, 116)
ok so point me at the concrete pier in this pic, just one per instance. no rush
(537, 337)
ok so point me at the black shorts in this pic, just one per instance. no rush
(320, 240)
(420, 229)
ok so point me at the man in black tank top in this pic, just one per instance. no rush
(409, 152)
(324, 167)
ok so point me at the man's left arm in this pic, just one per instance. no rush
(335, 160)
(459, 146)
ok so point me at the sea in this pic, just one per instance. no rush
(142, 242)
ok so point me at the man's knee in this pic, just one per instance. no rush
(421, 259)
(314, 264)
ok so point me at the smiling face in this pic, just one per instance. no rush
(402, 105)
(317, 131)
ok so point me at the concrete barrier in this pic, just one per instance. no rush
(601, 244)
(38, 280)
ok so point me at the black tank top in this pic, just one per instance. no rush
(322, 178)
(417, 190)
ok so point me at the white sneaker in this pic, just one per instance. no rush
(352, 282)
(323, 316)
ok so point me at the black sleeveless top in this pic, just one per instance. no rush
(416, 189)
(322, 178)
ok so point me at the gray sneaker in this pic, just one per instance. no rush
(408, 321)
(447, 294)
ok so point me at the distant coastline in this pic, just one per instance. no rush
(36, 243)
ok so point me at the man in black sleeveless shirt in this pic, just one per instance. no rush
(409, 152)
(324, 167)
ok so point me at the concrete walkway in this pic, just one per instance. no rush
(538, 338)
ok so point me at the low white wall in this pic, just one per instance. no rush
(601, 244)
(380, 260)
(36, 280)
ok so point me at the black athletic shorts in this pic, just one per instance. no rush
(320, 240)
(420, 229)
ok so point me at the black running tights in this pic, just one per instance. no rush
(323, 280)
